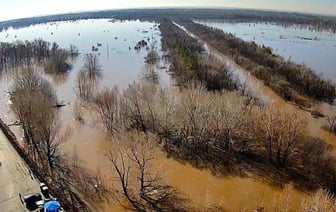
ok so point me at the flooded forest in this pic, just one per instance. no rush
(175, 110)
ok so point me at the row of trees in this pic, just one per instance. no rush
(33, 101)
(28, 52)
(288, 79)
(19, 52)
(313, 22)
(189, 63)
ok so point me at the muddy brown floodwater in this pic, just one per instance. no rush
(121, 67)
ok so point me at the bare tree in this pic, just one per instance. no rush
(138, 106)
(29, 93)
(92, 66)
(143, 190)
(78, 111)
(33, 99)
(279, 134)
(73, 50)
(331, 123)
(152, 56)
(50, 136)
(107, 102)
(87, 77)
(85, 87)
(57, 63)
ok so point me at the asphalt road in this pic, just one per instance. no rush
(15, 178)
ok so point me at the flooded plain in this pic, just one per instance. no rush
(302, 45)
(121, 65)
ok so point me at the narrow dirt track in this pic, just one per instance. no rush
(15, 178)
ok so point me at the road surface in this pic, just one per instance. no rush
(15, 178)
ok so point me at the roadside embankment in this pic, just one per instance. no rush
(69, 200)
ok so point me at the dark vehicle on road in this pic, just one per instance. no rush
(30, 200)
(45, 191)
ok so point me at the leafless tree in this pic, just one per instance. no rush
(85, 87)
(78, 111)
(87, 78)
(57, 63)
(138, 105)
(279, 134)
(73, 50)
(33, 99)
(143, 190)
(107, 102)
(152, 57)
(91, 66)
(331, 123)
(29, 93)
(150, 74)
(50, 136)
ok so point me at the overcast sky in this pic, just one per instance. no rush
(12, 9)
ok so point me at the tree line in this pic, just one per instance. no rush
(190, 63)
(291, 81)
(26, 53)
(319, 22)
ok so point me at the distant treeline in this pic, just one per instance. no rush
(240, 15)
(289, 80)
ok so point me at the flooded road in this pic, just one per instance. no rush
(122, 65)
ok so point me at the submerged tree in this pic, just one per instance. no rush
(33, 100)
(279, 134)
(152, 57)
(107, 102)
(139, 186)
(57, 63)
(331, 126)
(87, 78)
(73, 50)
(91, 66)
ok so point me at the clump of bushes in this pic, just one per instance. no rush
(57, 63)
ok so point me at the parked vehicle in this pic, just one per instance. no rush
(45, 190)
(30, 200)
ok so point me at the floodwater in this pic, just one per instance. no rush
(259, 90)
(121, 66)
(316, 49)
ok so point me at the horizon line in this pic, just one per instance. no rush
(172, 7)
